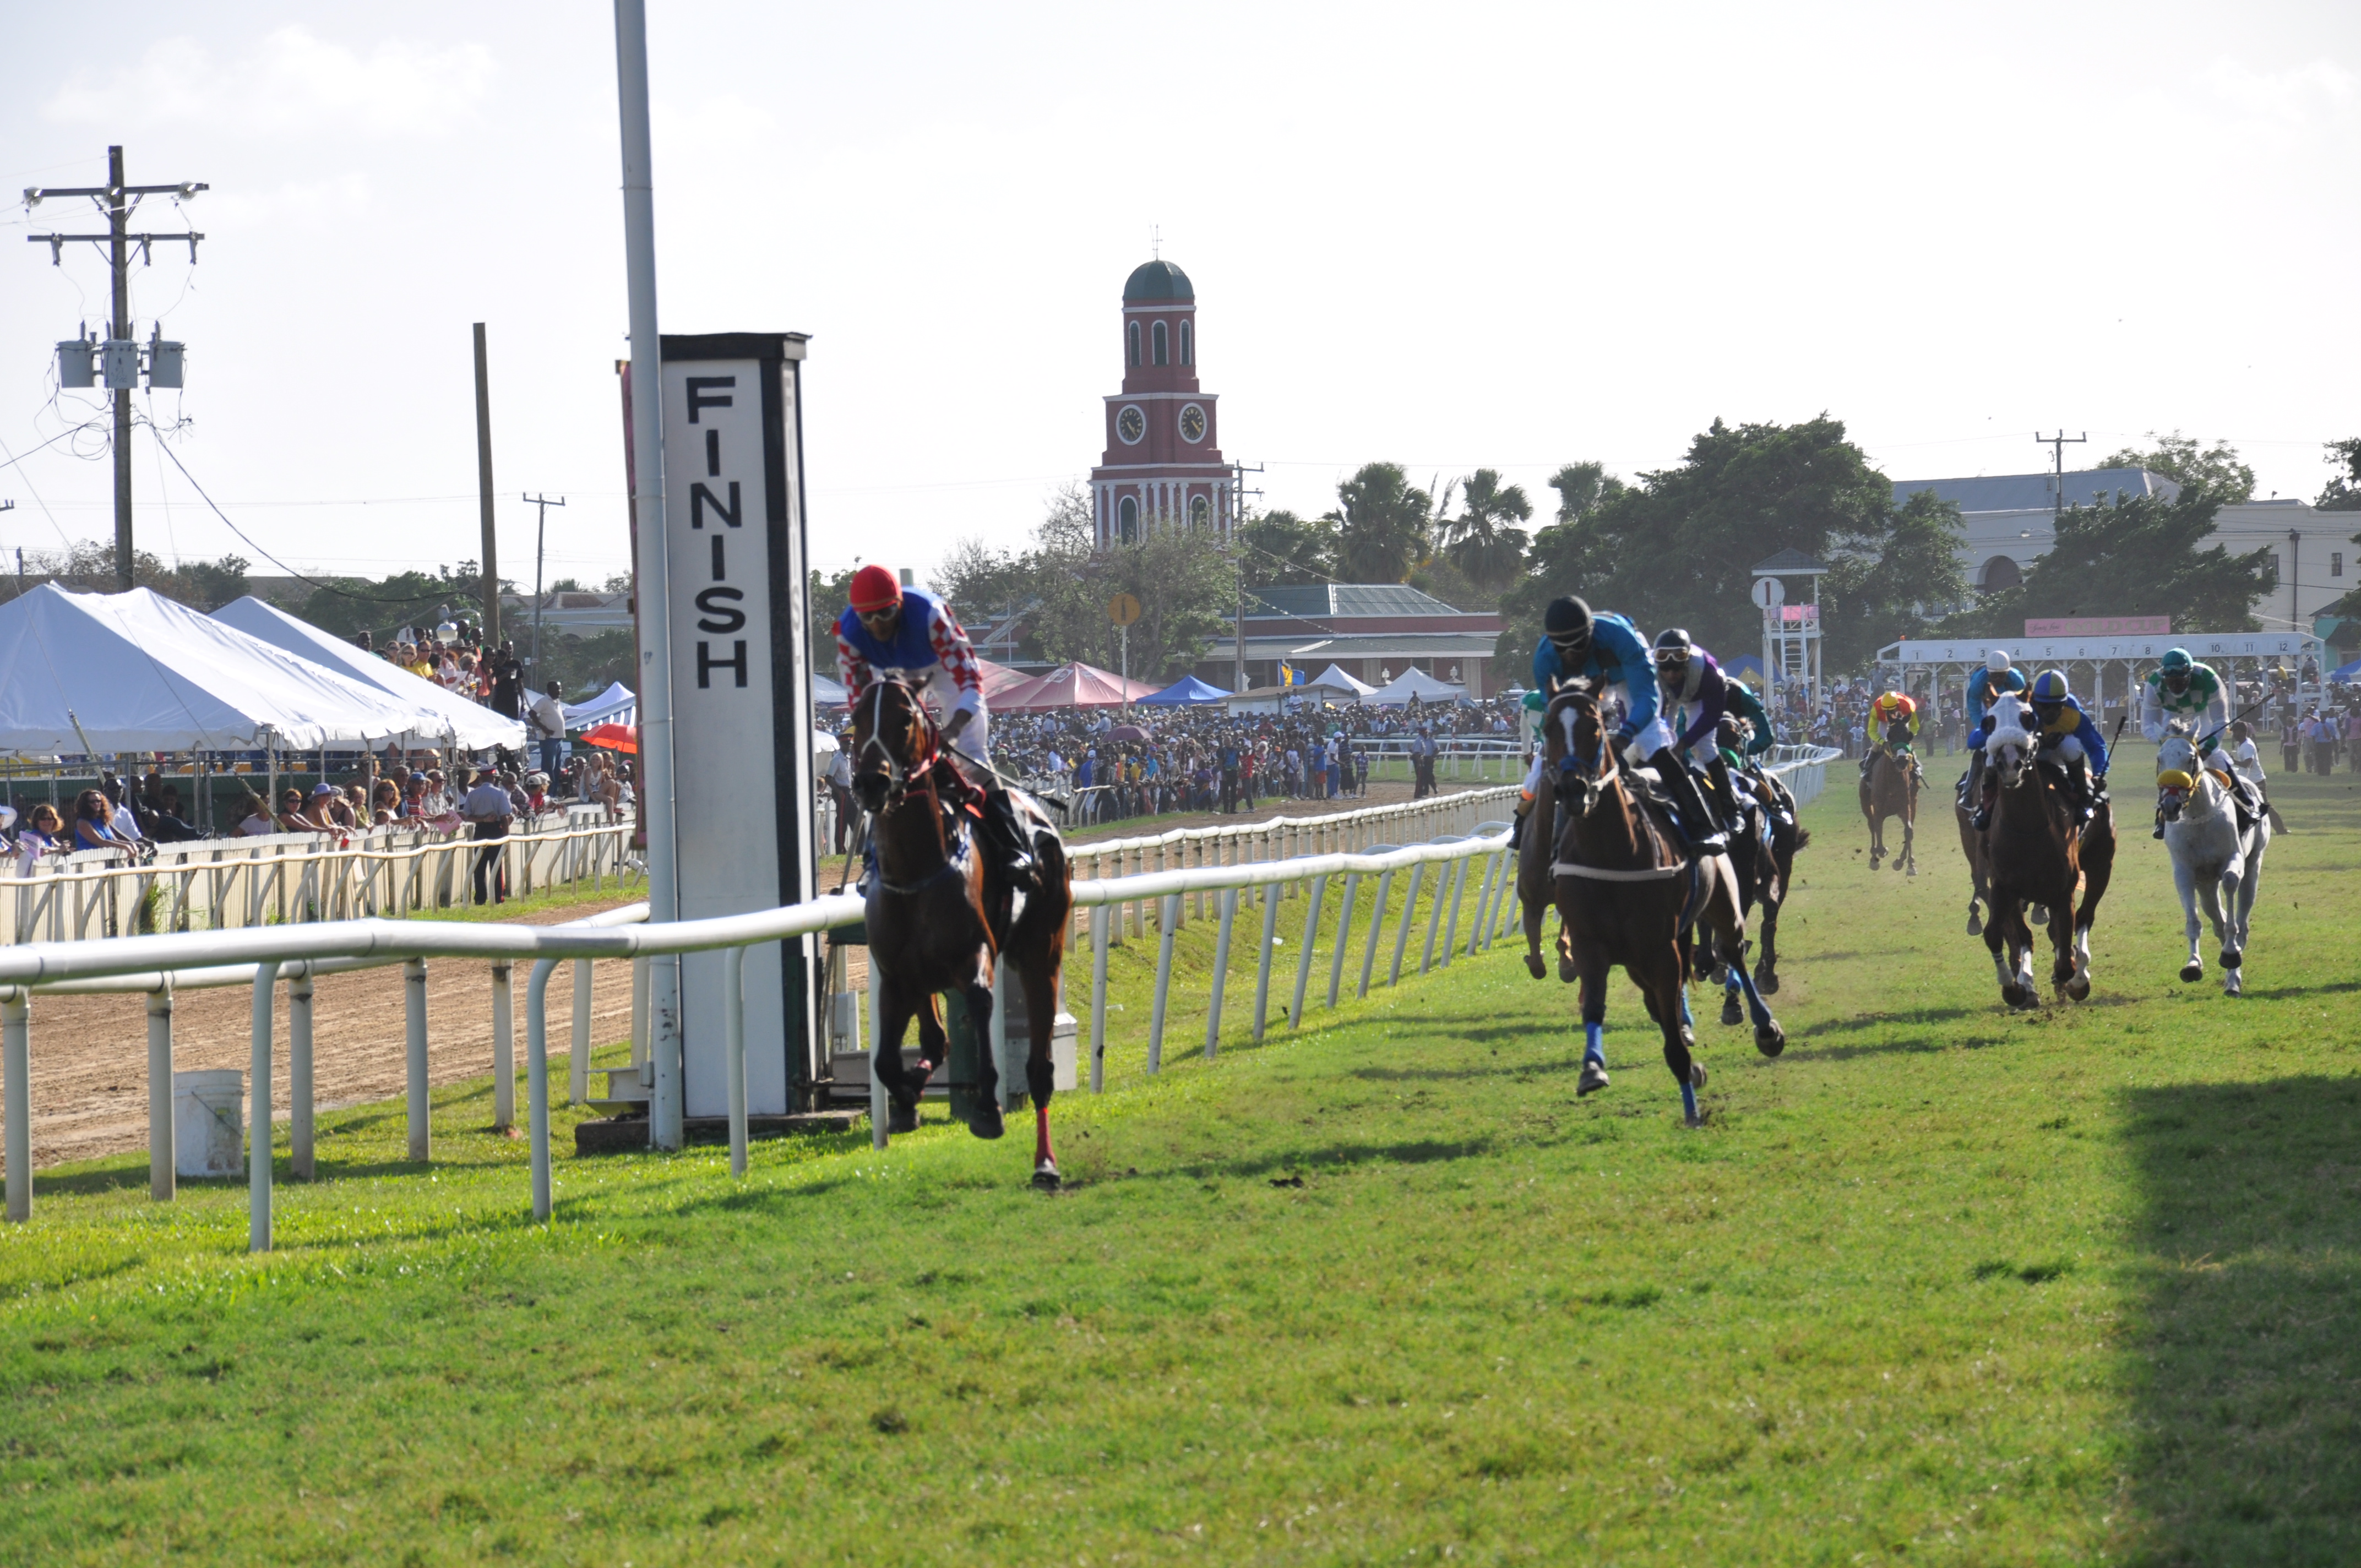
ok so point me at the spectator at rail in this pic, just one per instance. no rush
(489, 810)
(385, 803)
(40, 834)
(93, 826)
(163, 820)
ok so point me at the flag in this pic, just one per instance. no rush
(1286, 674)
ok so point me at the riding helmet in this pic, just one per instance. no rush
(873, 588)
(1567, 622)
(2049, 688)
(1672, 647)
(1997, 660)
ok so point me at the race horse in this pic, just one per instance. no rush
(2217, 858)
(1628, 893)
(2036, 853)
(937, 918)
(1764, 857)
(1890, 789)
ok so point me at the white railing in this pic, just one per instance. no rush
(222, 884)
(1804, 769)
(261, 957)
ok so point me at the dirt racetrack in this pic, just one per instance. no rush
(90, 1053)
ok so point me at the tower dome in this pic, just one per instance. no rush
(1157, 281)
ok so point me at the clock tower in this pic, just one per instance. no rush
(1162, 468)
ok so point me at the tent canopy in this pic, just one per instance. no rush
(827, 693)
(143, 673)
(1186, 692)
(1414, 682)
(997, 678)
(617, 705)
(1071, 685)
(468, 726)
(2346, 672)
(1334, 678)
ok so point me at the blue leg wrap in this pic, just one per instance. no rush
(1688, 1101)
(1594, 1043)
(1685, 1016)
(1756, 1008)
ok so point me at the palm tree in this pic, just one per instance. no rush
(1382, 524)
(1485, 540)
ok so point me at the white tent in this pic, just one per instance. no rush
(1335, 679)
(1414, 682)
(467, 726)
(142, 674)
(617, 705)
(827, 693)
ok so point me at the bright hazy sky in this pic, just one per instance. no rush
(1506, 236)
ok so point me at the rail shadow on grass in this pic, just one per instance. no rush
(2247, 1371)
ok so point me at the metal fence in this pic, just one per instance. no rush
(221, 884)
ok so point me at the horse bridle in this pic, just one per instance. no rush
(898, 777)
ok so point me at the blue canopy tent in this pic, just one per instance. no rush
(2346, 672)
(1186, 692)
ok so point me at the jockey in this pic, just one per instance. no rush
(1690, 685)
(888, 632)
(2181, 688)
(1892, 708)
(1995, 679)
(2068, 738)
(1606, 648)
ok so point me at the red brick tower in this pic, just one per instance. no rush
(1162, 467)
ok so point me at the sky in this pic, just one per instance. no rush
(1498, 236)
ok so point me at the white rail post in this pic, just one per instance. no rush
(733, 1034)
(1409, 914)
(880, 1113)
(16, 1059)
(1434, 918)
(536, 1084)
(257, 1127)
(162, 1157)
(1377, 924)
(1262, 960)
(1227, 902)
(1458, 886)
(1343, 937)
(1098, 998)
(413, 1008)
(504, 1049)
(1303, 958)
(1483, 906)
(578, 1065)
(1166, 919)
(300, 1161)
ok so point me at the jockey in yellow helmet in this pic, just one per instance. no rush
(1889, 710)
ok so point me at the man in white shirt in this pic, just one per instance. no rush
(548, 716)
(488, 808)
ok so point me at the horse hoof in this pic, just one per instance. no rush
(1697, 1075)
(1912, 870)
(1688, 1036)
(2231, 961)
(900, 1118)
(2036, 915)
(1720, 974)
(1731, 1012)
(1045, 1177)
(984, 1122)
(1567, 972)
(2078, 988)
(1975, 924)
(2192, 970)
(1594, 1078)
(2231, 985)
(1767, 981)
(1533, 963)
(1695, 1119)
(1771, 1039)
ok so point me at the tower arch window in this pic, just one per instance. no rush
(2000, 572)
(1163, 355)
(1127, 518)
(1200, 512)
(1131, 343)
(1188, 343)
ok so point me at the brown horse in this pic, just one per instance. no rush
(1627, 894)
(938, 920)
(2036, 853)
(1972, 847)
(1890, 789)
(1766, 877)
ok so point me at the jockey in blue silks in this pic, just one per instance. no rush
(1606, 650)
(1995, 679)
(2066, 736)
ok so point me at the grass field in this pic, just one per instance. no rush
(1941, 1285)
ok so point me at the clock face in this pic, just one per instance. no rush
(1192, 424)
(1131, 424)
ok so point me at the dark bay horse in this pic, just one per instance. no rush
(1890, 789)
(938, 920)
(2036, 853)
(1766, 870)
(1628, 894)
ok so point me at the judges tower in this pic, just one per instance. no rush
(1162, 467)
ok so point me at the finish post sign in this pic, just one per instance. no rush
(741, 705)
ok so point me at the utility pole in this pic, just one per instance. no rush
(539, 541)
(116, 199)
(1238, 472)
(2058, 444)
(483, 494)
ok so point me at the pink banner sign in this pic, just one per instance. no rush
(2101, 626)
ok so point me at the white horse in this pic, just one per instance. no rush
(2214, 864)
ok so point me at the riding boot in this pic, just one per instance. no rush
(1983, 818)
(1517, 820)
(1969, 789)
(2078, 791)
(1705, 836)
(1012, 852)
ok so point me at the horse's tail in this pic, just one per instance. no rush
(1803, 836)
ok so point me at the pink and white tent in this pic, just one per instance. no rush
(1071, 685)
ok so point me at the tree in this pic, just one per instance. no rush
(1580, 488)
(2178, 458)
(88, 568)
(350, 606)
(1679, 547)
(2343, 493)
(1280, 547)
(1565, 552)
(1382, 524)
(1487, 540)
(830, 592)
(1901, 580)
(2139, 556)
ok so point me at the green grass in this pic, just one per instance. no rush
(1941, 1285)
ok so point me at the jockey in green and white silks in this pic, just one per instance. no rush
(2183, 689)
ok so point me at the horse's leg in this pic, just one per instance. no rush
(1909, 839)
(1970, 848)
(2184, 883)
(1997, 940)
(895, 1007)
(1040, 986)
(1664, 985)
(1590, 962)
(984, 1121)
(1532, 906)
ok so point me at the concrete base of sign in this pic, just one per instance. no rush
(622, 1134)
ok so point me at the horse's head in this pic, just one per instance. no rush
(2011, 745)
(894, 736)
(1575, 731)
(2175, 754)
